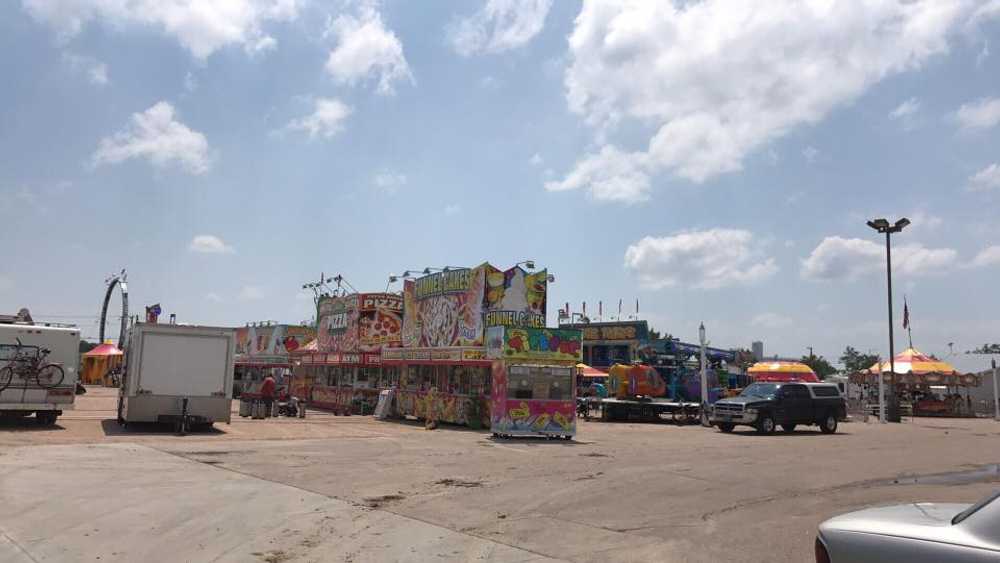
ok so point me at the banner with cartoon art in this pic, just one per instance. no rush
(515, 297)
(337, 323)
(271, 340)
(444, 309)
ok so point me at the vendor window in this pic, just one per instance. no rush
(520, 383)
(426, 377)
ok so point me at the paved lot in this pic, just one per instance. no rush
(355, 489)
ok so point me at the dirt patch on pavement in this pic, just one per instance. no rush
(375, 502)
(458, 483)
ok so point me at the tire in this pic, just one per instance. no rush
(765, 425)
(49, 376)
(46, 418)
(726, 426)
(828, 425)
(6, 376)
(788, 427)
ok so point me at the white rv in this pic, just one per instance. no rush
(177, 374)
(23, 397)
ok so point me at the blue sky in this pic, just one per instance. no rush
(718, 163)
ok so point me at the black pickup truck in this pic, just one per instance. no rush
(768, 405)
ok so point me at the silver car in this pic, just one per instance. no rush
(914, 533)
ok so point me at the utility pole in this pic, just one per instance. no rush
(996, 395)
(704, 378)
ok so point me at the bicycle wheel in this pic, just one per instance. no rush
(6, 376)
(49, 375)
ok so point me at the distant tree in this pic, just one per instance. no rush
(986, 349)
(744, 358)
(855, 361)
(657, 335)
(819, 365)
(86, 346)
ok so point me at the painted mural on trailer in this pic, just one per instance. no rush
(529, 343)
(337, 323)
(272, 340)
(380, 321)
(515, 297)
(444, 309)
(520, 416)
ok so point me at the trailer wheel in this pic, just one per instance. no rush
(46, 418)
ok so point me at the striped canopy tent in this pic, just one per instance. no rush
(913, 367)
(98, 362)
(586, 371)
(781, 372)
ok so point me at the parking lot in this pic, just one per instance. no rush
(356, 489)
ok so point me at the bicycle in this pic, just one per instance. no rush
(28, 366)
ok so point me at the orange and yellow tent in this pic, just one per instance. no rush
(782, 372)
(98, 362)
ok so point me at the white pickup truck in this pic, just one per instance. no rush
(23, 396)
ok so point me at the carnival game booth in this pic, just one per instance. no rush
(98, 363)
(446, 384)
(533, 389)
(931, 387)
(344, 370)
(782, 372)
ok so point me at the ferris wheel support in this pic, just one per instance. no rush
(119, 280)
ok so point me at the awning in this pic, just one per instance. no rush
(782, 372)
(586, 371)
(916, 362)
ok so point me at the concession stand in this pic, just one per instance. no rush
(264, 349)
(345, 367)
(533, 380)
(442, 369)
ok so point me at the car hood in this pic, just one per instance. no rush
(924, 521)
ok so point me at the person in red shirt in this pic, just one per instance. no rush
(267, 394)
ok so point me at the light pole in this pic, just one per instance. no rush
(996, 395)
(883, 226)
(704, 378)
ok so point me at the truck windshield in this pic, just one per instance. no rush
(764, 390)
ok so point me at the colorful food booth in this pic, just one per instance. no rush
(345, 368)
(533, 369)
(265, 349)
(442, 368)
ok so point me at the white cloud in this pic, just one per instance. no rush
(210, 244)
(986, 179)
(250, 293)
(981, 114)
(702, 259)
(718, 80)
(983, 54)
(837, 258)
(989, 256)
(536, 159)
(771, 320)
(366, 48)
(500, 25)
(906, 109)
(96, 71)
(609, 175)
(452, 209)
(489, 82)
(214, 297)
(810, 153)
(923, 220)
(190, 82)
(155, 134)
(200, 27)
(327, 119)
(389, 182)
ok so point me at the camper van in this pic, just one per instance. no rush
(24, 397)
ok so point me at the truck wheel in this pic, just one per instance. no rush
(726, 426)
(46, 418)
(829, 423)
(765, 425)
(788, 427)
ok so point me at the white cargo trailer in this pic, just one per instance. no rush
(178, 374)
(24, 396)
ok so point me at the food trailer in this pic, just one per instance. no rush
(533, 369)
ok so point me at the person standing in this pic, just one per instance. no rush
(267, 393)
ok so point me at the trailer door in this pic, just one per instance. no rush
(184, 365)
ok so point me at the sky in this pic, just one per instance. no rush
(715, 161)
